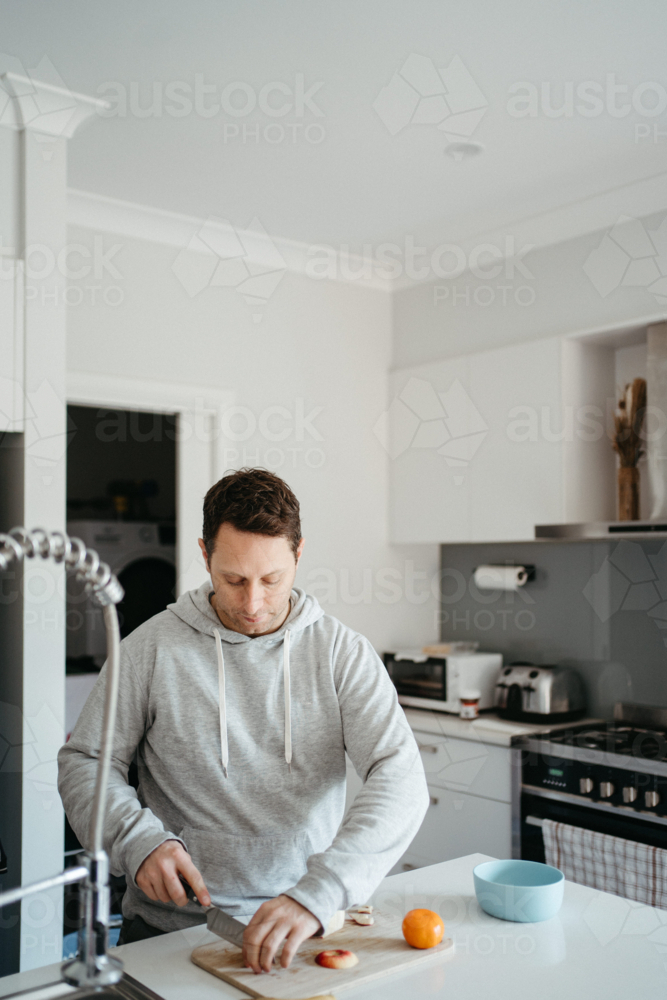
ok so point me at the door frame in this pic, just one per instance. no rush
(199, 446)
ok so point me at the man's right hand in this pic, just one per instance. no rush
(157, 875)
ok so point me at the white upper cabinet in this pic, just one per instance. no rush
(477, 445)
(515, 479)
(429, 499)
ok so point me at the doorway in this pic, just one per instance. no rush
(121, 502)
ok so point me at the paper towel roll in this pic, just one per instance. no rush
(500, 577)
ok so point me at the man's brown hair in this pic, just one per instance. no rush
(252, 500)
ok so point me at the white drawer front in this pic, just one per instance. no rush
(466, 766)
(457, 824)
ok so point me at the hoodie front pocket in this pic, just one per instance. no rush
(246, 869)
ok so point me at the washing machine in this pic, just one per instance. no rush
(143, 557)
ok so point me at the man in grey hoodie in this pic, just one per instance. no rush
(240, 702)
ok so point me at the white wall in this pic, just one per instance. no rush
(320, 346)
(442, 318)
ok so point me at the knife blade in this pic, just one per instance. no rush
(217, 920)
(225, 926)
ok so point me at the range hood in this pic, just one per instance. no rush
(602, 529)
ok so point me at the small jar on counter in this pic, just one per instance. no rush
(469, 699)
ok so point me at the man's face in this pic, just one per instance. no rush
(252, 577)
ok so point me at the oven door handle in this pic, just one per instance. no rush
(534, 821)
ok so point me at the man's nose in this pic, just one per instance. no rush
(253, 598)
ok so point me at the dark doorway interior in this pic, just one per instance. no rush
(121, 501)
(121, 465)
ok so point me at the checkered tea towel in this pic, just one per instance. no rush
(612, 864)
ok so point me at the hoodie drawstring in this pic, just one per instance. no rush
(288, 701)
(224, 745)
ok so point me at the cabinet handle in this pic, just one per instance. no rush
(433, 800)
(428, 749)
(407, 867)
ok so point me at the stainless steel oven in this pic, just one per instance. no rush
(607, 777)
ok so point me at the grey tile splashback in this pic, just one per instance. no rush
(600, 607)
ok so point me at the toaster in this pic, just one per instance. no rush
(526, 693)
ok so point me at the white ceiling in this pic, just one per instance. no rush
(360, 185)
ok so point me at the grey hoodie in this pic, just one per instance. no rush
(277, 713)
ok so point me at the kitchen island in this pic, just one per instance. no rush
(598, 946)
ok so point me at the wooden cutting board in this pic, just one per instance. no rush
(381, 950)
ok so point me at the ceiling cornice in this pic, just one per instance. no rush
(567, 222)
(124, 218)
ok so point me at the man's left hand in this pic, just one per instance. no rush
(280, 919)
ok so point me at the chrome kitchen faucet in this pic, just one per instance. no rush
(93, 966)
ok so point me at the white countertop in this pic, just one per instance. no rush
(598, 947)
(488, 728)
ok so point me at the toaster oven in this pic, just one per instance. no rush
(437, 682)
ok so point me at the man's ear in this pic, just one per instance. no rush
(299, 550)
(205, 554)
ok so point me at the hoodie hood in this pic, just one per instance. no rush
(194, 608)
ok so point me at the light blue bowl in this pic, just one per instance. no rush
(525, 891)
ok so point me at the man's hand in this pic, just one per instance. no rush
(157, 875)
(280, 919)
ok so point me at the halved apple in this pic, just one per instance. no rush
(337, 958)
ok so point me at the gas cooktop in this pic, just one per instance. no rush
(615, 738)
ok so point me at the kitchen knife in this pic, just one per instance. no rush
(232, 930)
(225, 926)
(217, 920)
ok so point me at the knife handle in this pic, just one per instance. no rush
(189, 891)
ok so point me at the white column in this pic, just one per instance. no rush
(41, 118)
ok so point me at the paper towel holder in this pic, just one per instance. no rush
(501, 570)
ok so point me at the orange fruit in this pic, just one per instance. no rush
(423, 928)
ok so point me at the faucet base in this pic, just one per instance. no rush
(107, 970)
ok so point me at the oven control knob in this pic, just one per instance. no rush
(651, 799)
(606, 789)
(585, 786)
(629, 794)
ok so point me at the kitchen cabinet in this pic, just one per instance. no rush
(515, 481)
(477, 446)
(457, 822)
(466, 766)
(469, 785)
